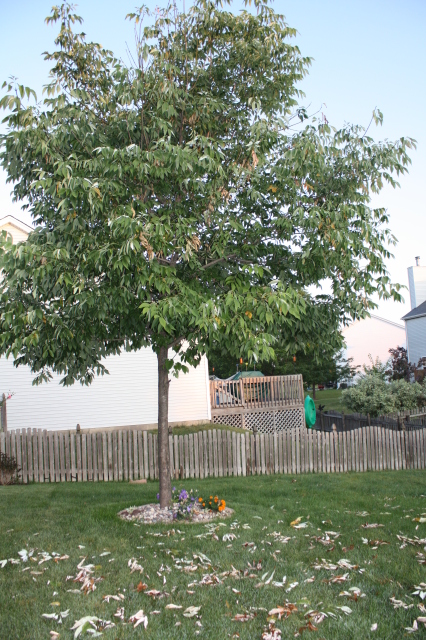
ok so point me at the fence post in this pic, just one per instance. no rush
(4, 414)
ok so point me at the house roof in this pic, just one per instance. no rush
(15, 223)
(417, 312)
(374, 317)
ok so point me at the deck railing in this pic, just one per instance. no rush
(253, 393)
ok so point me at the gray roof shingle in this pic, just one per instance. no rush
(417, 312)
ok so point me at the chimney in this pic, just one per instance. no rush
(417, 259)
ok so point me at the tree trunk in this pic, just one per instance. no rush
(313, 390)
(163, 429)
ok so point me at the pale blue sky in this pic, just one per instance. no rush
(367, 53)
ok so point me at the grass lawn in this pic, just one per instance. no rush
(331, 398)
(80, 521)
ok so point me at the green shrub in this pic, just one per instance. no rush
(8, 469)
(373, 395)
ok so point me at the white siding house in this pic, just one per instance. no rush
(415, 320)
(126, 398)
(417, 284)
(15, 228)
(372, 336)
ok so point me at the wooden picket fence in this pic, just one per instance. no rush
(46, 456)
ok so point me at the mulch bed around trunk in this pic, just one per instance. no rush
(153, 514)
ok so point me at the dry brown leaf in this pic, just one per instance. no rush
(308, 627)
(271, 633)
(284, 611)
(244, 617)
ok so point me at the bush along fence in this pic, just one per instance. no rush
(45, 456)
(405, 421)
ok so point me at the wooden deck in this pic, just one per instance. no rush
(240, 402)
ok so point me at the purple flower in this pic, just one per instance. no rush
(158, 496)
(174, 516)
(174, 489)
(188, 509)
(183, 495)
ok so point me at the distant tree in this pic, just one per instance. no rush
(399, 368)
(322, 368)
(376, 368)
(185, 198)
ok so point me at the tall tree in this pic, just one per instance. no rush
(177, 201)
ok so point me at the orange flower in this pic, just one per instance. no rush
(215, 499)
(200, 499)
(204, 504)
(221, 508)
(223, 503)
(211, 497)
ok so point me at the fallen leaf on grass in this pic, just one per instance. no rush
(134, 566)
(271, 633)
(243, 617)
(353, 594)
(372, 525)
(139, 618)
(173, 606)
(141, 587)
(306, 627)
(345, 564)
(119, 613)
(345, 610)
(377, 543)
(316, 617)
(190, 612)
(415, 626)
(420, 591)
(399, 604)
(154, 593)
(337, 579)
(54, 635)
(373, 627)
(91, 624)
(118, 597)
(284, 611)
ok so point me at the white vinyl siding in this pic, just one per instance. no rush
(373, 336)
(125, 398)
(18, 235)
(416, 338)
